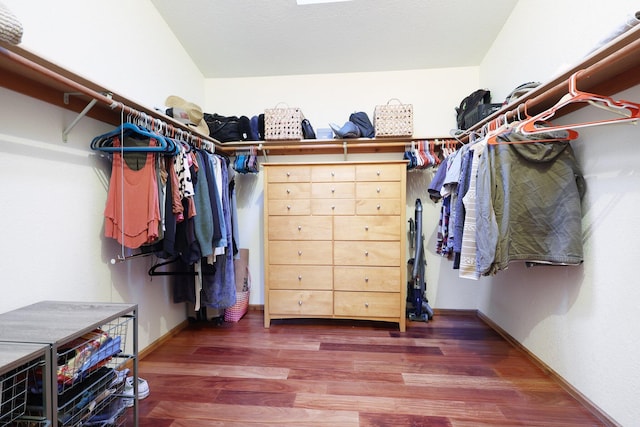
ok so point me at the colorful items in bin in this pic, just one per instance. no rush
(84, 353)
(108, 416)
(79, 358)
(79, 401)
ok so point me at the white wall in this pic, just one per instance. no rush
(123, 45)
(331, 98)
(53, 193)
(580, 321)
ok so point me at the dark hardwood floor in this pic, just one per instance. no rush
(454, 371)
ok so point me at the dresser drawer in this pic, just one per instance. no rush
(377, 190)
(333, 190)
(298, 277)
(367, 227)
(373, 279)
(333, 206)
(318, 252)
(367, 253)
(294, 190)
(333, 173)
(366, 304)
(300, 228)
(289, 207)
(309, 303)
(288, 173)
(379, 207)
(380, 172)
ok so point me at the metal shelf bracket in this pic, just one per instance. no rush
(65, 133)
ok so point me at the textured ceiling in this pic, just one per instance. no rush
(241, 38)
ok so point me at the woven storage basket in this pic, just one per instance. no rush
(282, 123)
(239, 309)
(243, 287)
(393, 119)
(10, 27)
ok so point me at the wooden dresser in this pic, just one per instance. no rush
(335, 241)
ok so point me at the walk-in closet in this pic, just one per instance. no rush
(319, 213)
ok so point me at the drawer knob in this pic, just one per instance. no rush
(378, 173)
(366, 279)
(366, 228)
(333, 190)
(333, 173)
(288, 207)
(378, 189)
(299, 253)
(300, 277)
(288, 191)
(378, 207)
(299, 227)
(333, 207)
(300, 302)
(366, 253)
(288, 173)
(366, 304)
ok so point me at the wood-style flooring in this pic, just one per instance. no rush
(454, 371)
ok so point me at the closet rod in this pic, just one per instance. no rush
(613, 68)
(337, 144)
(99, 97)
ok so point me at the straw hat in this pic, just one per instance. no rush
(188, 113)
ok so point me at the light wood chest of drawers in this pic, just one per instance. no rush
(335, 241)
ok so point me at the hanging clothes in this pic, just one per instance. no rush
(529, 203)
(133, 179)
(176, 201)
(215, 286)
(209, 165)
(468, 249)
(203, 221)
(466, 156)
(220, 289)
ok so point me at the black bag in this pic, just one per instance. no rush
(223, 128)
(244, 126)
(307, 129)
(261, 125)
(361, 120)
(468, 104)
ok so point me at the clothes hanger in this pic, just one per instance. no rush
(626, 111)
(104, 142)
(539, 136)
(153, 271)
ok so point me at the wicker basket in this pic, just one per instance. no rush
(243, 287)
(283, 123)
(239, 309)
(10, 27)
(393, 119)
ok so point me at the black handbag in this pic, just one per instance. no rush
(223, 128)
(307, 129)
